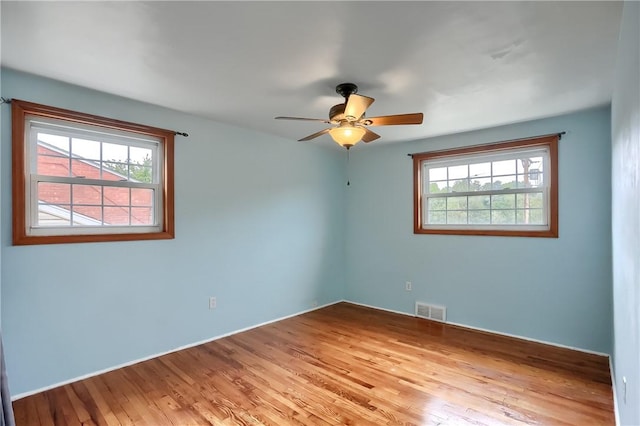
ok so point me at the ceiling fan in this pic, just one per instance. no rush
(350, 123)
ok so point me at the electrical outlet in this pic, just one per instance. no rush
(407, 286)
(624, 389)
(212, 303)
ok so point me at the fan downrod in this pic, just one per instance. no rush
(346, 89)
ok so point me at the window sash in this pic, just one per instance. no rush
(527, 226)
(486, 157)
(53, 127)
(33, 208)
(469, 160)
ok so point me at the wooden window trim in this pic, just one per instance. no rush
(550, 141)
(19, 112)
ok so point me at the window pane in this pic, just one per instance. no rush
(116, 215)
(528, 162)
(115, 153)
(53, 214)
(437, 204)
(85, 169)
(530, 217)
(507, 167)
(483, 184)
(439, 173)
(456, 203)
(456, 217)
(523, 181)
(531, 179)
(480, 170)
(536, 178)
(458, 172)
(142, 197)
(140, 155)
(115, 171)
(438, 187)
(503, 217)
(116, 196)
(537, 217)
(439, 218)
(85, 149)
(536, 200)
(53, 155)
(54, 193)
(529, 200)
(508, 182)
(141, 216)
(459, 185)
(54, 141)
(479, 202)
(474, 185)
(479, 217)
(140, 173)
(87, 216)
(522, 200)
(86, 194)
(141, 160)
(503, 201)
(523, 216)
(497, 184)
(52, 163)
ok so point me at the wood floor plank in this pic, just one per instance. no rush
(342, 365)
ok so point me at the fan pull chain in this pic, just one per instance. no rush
(348, 151)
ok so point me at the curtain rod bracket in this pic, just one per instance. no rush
(186, 135)
(5, 101)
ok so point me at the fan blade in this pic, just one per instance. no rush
(357, 105)
(315, 135)
(390, 120)
(370, 136)
(303, 119)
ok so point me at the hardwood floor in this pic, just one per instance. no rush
(344, 364)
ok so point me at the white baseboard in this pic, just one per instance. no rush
(180, 348)
(615, 394)
(379, 308)
(515, 336)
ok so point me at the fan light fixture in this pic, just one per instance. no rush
(347, 135)
(351, 125)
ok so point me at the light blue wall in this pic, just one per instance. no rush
(259, 225)
(555, 290)
(626, 216)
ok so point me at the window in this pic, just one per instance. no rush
(508, 189)
(82, 178)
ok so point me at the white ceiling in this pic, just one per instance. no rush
(466, 65)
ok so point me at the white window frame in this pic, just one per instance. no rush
(545, 147)
(36, 124)
(29, 119)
